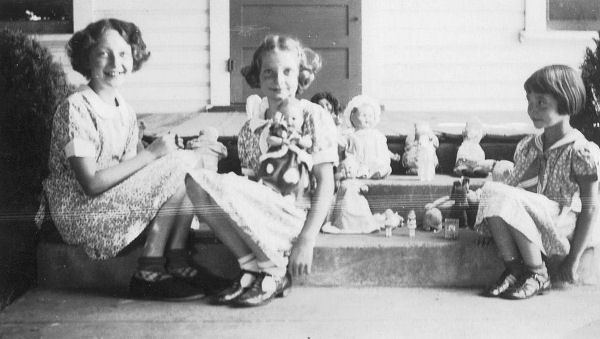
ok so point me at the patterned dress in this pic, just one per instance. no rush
(85, 126)
(541, 196)
(260, 214)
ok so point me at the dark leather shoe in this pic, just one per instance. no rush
(529, 285)
(165, 288)
(239, 286)
(506, 281)
(264, 289)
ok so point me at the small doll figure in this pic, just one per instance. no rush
(208, 149)
(411, 223)
(392, 220)
(367, 155)
(470, 153)
(330, 104)
(285, 166)
(419, 151)
(351, 212)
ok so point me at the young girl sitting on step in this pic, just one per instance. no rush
(548, 206)
(103, 190)
(270, 235)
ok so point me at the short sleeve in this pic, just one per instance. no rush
(81, 134)
(320, 126)
(585, 161)
(522, 146)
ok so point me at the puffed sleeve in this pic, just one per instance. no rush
(320, 126)
(81, 135)
(585, 161)
(133, 135)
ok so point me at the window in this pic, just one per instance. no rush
(574, 15)
(38, 17)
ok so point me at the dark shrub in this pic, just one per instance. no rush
(31, 87)
(588, 121)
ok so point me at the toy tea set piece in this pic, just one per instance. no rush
(367, 155)
(470, 153)
(419, 156)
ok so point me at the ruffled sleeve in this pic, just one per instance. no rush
(585, 161)
(81, 134)
(320, 126)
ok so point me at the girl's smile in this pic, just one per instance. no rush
(110, 61)
(279, 75)
(543, 110)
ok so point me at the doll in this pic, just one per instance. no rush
(286, 164)
(411, 223)
(392, 220)
(351, 212)
(420, 148)
(367, 154)
(208, 149)
(432, 221)
(470, 152)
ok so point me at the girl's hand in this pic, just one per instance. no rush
(301, 258)
(162, 146)
(568, 270)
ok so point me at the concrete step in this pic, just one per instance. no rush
(339, 260)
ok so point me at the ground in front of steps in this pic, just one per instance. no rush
(310, 313)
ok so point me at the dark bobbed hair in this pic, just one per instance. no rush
(310, 61)
(82, 42)
(337, 108)
(563, 83)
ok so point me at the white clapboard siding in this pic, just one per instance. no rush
(458, 55)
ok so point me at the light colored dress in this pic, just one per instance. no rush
(260, 213)
(85, 126)
(541, 196)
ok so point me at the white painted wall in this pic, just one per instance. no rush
(418, 55)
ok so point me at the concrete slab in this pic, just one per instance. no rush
(310, 313)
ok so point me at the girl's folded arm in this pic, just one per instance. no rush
(95, 181)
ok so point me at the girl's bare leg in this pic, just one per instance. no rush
(503, 237)
(531, 253)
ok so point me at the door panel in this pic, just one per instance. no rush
(330, 27)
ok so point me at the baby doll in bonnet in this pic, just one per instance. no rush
(208, 149)
(470, 153)
(367, 154)
(420, 145)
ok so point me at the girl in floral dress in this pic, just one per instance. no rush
(104, 188)
(273, 238)
(548, 206)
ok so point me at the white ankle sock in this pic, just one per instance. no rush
(272, 269)
(248, 263)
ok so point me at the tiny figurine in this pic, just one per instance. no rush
(419, 152)
(392, 220)
(351, 212)
(208, 149)
(432, 221)
(470, 153)
(285, 166)
(451, 229)
(367, 154)
(411, 223)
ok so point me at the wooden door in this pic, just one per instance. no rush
(330, 27)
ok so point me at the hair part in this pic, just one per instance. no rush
(309, 61)
(561, 82)
(335, 104)
(82, 42)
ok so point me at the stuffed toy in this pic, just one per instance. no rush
(367, 155)
(470, 153)
(419, 151)
(208, 149)
(432, 221)
(351, 211)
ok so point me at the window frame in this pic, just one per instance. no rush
(536, 27)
